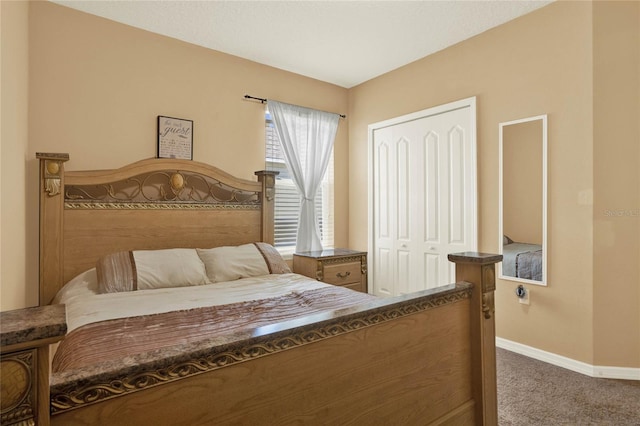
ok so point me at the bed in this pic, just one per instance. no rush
(522, 260)
(273, 348)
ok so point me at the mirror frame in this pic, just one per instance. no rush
(501, 126)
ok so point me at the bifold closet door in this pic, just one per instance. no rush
(424, 201)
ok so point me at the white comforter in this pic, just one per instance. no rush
(84, 305)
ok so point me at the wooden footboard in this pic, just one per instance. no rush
(426, 358)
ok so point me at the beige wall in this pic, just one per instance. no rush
(540, 63)
(14, 231)
(616, 195)
(95, 88)
(522, 181)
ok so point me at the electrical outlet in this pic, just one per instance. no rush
(525, 300)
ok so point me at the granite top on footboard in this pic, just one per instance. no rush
(72, 389)
(26, 325)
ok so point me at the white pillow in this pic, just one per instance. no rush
(83, 284)
(168, 268)
(232, 263)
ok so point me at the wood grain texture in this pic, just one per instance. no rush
(96, 177)
(89, 234)
(51, 241)
(347, 270)
(482, 341)
(42, 386)
(463, 415)
(351, 379)
(72, 238)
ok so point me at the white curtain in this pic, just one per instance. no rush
(307, 137)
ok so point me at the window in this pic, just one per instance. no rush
(287, 201)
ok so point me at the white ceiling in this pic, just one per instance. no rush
(341, 42)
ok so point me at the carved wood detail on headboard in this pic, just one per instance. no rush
(161, 190)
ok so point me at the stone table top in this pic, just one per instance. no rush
(32, 324)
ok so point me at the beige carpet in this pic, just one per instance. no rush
(532, 392)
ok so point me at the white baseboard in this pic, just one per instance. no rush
(568, 363)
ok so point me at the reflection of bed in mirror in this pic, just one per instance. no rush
(522, 260)
(523, 200)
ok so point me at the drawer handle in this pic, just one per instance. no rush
(341, 275)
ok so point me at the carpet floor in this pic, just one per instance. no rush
(534, 393)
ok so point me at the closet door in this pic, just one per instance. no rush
(424, 199)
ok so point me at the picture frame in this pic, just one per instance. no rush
(175, 138)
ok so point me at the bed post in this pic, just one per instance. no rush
(479, 268)
(51, 207)
(267, 199)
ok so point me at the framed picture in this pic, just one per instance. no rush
(175, 138)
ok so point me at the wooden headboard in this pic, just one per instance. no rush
(150, 204)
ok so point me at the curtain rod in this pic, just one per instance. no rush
(263, 100)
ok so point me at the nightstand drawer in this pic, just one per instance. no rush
(342, 273)
(343, 267)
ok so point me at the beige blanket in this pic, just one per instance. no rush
(113, 339)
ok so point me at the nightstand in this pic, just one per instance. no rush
(25, 336)
(343, 267)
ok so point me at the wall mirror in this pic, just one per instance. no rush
(523, 200)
